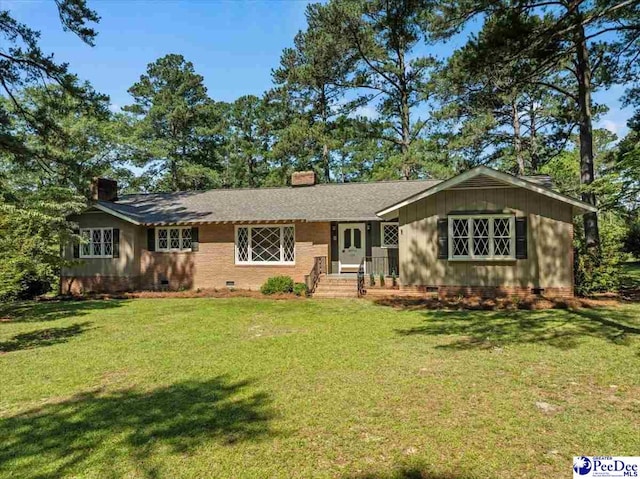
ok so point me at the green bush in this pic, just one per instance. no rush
(372, 280)
(381, 280)
(277, 284)
(22, 277)
(599, 270)
(300, 289)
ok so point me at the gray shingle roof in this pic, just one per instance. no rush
(324, 202)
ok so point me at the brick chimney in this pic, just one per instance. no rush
(303, 178)
(103, 189)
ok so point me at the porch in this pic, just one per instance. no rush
(376, 275)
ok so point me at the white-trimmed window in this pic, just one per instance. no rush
(265, 244)
(389, 235)
(173, 238)
(96, 243)
(482, 237)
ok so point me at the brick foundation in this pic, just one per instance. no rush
(489, 291)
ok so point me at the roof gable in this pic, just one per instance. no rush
(485, 177)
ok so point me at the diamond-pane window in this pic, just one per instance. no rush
(186, 238)
(289, 243)
(242, 245)
(265, 244)
(481, 237)
(107, 242)
(502, 237)
(163, 239)
(96, 243)
(390, 235)
(86, 243)
(460, 237)
(175, 238)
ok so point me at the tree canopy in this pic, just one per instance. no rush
(363, 93)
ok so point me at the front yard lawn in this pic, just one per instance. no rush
(231, 388)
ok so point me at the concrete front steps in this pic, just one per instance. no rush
(346, 286)
(336, 287)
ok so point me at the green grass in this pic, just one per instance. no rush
(259, 388)
(632, 274)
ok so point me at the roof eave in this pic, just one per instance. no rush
(579, 207)
(115, 213)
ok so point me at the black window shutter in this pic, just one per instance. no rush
(151, 239)
(76, 245)
(521, 238)
(116, 242)
(443, 238)
(195, 239)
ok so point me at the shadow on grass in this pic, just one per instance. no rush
(406, 473)
(101, 429)
(43, 337)
(35, 311)
(559, 328)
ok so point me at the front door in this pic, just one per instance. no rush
(351, 244)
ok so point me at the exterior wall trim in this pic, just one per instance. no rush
(103, 208)
(581, 206)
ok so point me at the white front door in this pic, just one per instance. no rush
(351, 244)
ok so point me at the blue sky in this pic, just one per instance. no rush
(233, 44)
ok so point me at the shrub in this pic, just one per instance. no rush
(22, 277)
(599, 270)
(300, 289)
(277, 284)
(394, 279)
(372, 280)
(381, 280)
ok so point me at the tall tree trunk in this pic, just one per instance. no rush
(517, 139)
(325, 163)
(173, 168)
(251, 172)
(405, 118)
(533, 133)
(585, 118)
(325, 128)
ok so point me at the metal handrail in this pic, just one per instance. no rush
(319, 267)
(361, 290)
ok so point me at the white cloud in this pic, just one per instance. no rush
(612, 126)
(368, 111)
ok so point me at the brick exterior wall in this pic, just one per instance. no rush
(176, 269)
(209, 267)
(215, 262)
